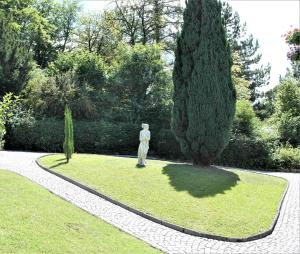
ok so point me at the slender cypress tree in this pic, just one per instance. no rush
(69, 139)
(204, 97)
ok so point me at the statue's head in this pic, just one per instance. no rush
(145, 126)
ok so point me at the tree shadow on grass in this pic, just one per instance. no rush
(200, 181)
(62, 159)
(59, 164)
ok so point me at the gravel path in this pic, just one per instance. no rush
(284, 239)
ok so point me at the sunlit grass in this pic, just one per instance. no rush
(231, 203)
(32, 220)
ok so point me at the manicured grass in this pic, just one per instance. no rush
(32, 220)
(231, 203)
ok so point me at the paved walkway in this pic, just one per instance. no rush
(285, 238)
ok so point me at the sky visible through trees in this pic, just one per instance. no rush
(267, 20)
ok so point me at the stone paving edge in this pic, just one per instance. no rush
(167, 224)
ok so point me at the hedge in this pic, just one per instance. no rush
(246, 152)
(123, 138)
(166, 145)
(89, 137)
(286, 159)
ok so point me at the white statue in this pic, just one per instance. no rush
(144, 144)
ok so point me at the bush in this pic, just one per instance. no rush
(8, 107)
(248, 147)
(166, 145)
(286, 159)
(289, 129)
(287, 113)
(88, 67)
(44, 135)
(104, 137)
(89, 137)
(245, 152)
(122, 138)
(245, 120)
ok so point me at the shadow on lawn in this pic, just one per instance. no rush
(200, 181)
(64, 161)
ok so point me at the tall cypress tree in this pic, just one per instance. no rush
(204, 97)
(69, 139)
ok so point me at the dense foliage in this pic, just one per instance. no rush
(15, 60)
(114, 69)
(204, 96)
(287, 111)
(8, 107)
(245, 119)
(292, 38)
(90, 137)
(246, 57)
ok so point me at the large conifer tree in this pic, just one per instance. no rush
(204, 97)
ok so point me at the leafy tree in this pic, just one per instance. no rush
(91, 98)
(87, 67)
(67, 16)
(47, 95)
(142, 84)
(61, 18)
(166, 20)
(246, 47)
(99, 33)
(257, 77)
(287, 111)
(149, 21)
(240, 83)
(245, 120)
(15, 60)
(7, 105)
(29, 26)
(204, 96)
(46, 51)
(292, 38)
(69, 136)
(265, 107)
(232, 24)
(79, 78)
(288, 98)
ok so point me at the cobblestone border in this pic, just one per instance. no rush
(167, 224)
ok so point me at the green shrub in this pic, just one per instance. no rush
(245, 121)
(251, 141)
(245, 152)
(287, 111)
(104, 137)
(166, 145)
(44, 135)
(286, 159)
(289, 129)
(89, 137)
(8, 108)
(122, 138)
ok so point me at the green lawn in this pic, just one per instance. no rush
(32, 220)
(231, 203)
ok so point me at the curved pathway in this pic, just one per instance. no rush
(284, 239)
